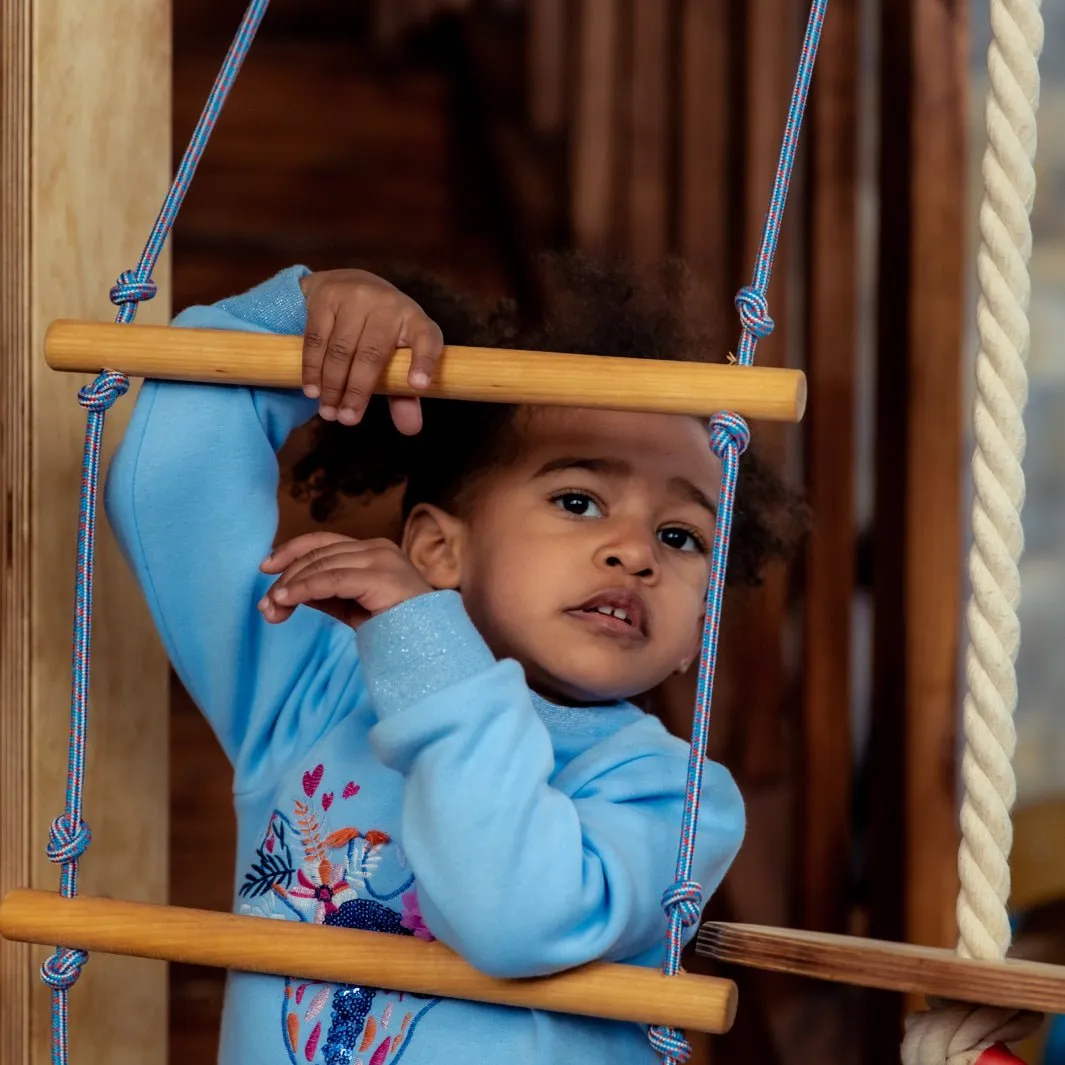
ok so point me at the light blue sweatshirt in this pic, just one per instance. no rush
(403, 780)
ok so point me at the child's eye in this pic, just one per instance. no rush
(682, 539)
(579, 503)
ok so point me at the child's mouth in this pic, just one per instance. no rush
(608, 624)
(618, 613)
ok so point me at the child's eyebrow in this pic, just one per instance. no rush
(681, 486)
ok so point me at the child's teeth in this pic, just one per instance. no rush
(621, 614)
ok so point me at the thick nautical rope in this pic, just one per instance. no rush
(69, 836)
(949, 1033)
(729, 437)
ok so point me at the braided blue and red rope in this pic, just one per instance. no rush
(729, 437)
(69, 835)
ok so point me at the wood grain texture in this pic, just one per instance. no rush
(933, 971)
(485, 374)
(84, 163)
(317, 952)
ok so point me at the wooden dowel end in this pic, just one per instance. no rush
(493, 375)
(341, 955)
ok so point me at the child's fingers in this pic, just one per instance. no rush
(426, 346)
(341, 351)
(322, 581)
(406, 414)
(321, 318)
(284, 555)
(376, 346)
(273, 612)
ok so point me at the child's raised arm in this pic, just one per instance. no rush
(192, 498)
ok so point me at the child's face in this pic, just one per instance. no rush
(599, 511)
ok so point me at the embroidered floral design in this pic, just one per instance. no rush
(323, 885)
(275, 868)
(308, 869)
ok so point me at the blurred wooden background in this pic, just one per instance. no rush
(467, 137)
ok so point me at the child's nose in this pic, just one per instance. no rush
(633, 552)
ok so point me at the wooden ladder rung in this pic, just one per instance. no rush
(342, 955)
(931, 971)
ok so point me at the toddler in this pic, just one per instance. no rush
(469, 763)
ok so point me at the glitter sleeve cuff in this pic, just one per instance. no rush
(277, 304)
(418, 648)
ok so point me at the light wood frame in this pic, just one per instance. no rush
(84, 165)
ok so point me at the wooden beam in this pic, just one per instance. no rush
(832, 257)
(84, 164)
(918, 564)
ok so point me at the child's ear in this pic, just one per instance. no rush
(433, 540)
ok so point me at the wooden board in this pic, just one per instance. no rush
(932, 971)
(832, 271)
(649, 131)
(593, 146)
(84, 163)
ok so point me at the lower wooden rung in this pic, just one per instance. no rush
(930, 971)
(347, 956)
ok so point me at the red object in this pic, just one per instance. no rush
(998, 1054)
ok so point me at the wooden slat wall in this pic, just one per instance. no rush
(84, 164)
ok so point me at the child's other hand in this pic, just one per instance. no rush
(350, 580)
(355, 322)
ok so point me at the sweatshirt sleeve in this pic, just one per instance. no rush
(522, 871)
(192, 497)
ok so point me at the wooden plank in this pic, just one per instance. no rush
(832, 256)
(593, 134)
(648, 140)
(547, 65)
(917, 587)
(84, 163)
(706, 191)
(934, 458)
(769, 65)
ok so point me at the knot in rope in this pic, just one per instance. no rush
(670, 1044)
(686, 897)
(66, 841)
(61, 971)
(129, 288)
(754, 312)
(108, 387)
(728, 430)
(956, 1033)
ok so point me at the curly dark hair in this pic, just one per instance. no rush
(591, 308)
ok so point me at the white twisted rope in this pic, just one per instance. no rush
(957, 1034)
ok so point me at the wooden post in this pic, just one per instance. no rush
(832, 256)
(918, 565)
(84, 164)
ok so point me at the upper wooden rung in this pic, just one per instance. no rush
(492, 375)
